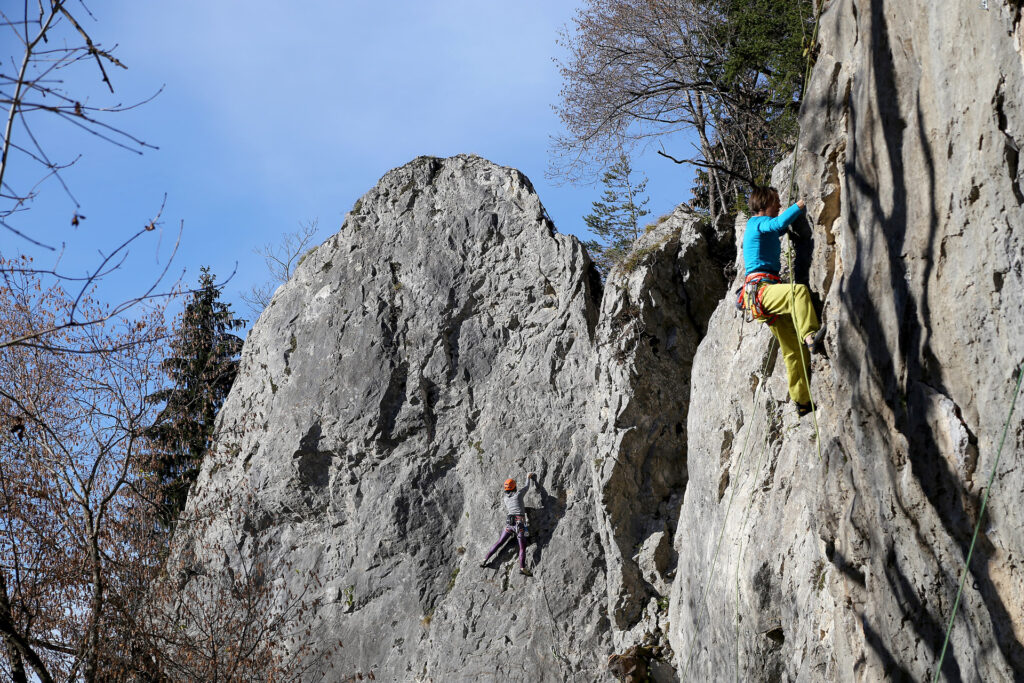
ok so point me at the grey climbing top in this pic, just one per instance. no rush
(514, 500)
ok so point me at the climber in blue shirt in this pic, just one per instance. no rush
(788, 311)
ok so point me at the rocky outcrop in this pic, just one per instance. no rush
(654, 312)
(438, 344)
(845, 567)
(687, 519)
(445, 339)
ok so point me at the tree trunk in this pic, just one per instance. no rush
(16, 645)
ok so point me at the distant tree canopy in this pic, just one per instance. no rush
(728, 71)
(766, 37)
(202, 366)
(615, 218)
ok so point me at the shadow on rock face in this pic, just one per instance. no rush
(886, 298)
(543, 521)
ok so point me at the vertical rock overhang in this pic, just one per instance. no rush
(846, 567)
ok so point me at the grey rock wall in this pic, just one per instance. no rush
(447, 338)
(846, 567)
(654, 312)
(438, 344)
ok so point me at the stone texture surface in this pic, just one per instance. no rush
(438, 344)
(654, 312)
(845, 568)
(447, 338)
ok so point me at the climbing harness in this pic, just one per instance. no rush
(518, 525)
(750, 296)
(977, 527)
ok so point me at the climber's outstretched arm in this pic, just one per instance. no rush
(778, 225)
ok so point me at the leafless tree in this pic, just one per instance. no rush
(216, 613)
(640, 70)
(53, 43)
(45, 70)
(66, 463)
(81, 556)
(281, 260)
(88, 588)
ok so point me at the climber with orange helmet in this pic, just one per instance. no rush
(515, 523)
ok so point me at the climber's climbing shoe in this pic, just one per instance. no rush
(525, 572)
(816, 342)
(483, 565)
(803, 409)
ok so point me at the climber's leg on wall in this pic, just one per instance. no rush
(792, 348)
(778, 300)
(522, 553)
(505, 535)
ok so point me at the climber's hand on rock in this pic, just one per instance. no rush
(532, 475)
(801, 204)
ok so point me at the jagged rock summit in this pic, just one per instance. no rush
(438, 344)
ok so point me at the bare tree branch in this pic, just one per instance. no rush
(639, 70)
(281, 260)
(57, 41)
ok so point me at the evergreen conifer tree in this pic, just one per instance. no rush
(615, 219)
(202, 367)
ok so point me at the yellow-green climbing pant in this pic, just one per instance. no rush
(775, 299)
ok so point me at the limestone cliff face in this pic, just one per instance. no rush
(654, 312)
(846, 567)
(447, 338)
(437, 345)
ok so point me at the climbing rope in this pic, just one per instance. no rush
(807, 77)
(981, 514)
(977, 526)
(732, 494)
(789, 200)
(1013, 402)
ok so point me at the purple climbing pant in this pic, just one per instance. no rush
(515, 527)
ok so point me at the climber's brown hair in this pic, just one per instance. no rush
(762, 197)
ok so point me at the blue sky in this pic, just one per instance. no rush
(274, 114)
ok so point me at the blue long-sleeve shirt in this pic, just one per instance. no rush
(761, 249)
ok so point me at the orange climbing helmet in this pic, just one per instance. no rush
(510, 484)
